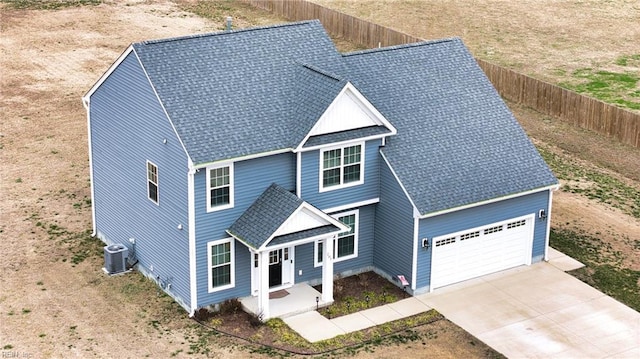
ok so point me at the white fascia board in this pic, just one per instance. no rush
(301, 241)
(243, 158)
(404, 190)
(498, 199)
(369, 106)
(341, 143)
(316, 212)
(363, 101)
(103, 78)
(351, 205)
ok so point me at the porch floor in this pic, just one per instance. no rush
(301, 299)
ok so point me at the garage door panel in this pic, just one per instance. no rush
(476, 252)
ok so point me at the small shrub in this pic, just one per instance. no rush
(231, 306)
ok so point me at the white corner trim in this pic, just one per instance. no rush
(193, 282)
(548, 219)
(416, 248)
(299, 174)
(87, 103)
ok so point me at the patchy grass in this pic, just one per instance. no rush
(628, 60)
(620, 88)
(593, 183)
(275, 338)
(48, 4)
(603, 266)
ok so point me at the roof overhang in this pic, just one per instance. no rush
(493, 200)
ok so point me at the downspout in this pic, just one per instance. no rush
(299, 174)
(86, 101)
(192, 238)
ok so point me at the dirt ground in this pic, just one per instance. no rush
(544, 38)
(53, 303)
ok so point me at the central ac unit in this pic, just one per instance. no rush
(115, 258)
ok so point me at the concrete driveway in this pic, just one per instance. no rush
(539, 311)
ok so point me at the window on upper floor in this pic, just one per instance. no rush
(221, 265)
(341, 167)
(220, 187)
(152, 182)
(346, 245)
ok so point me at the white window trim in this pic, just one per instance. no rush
(231, 187)
(356, 231)
(157, 183)
(321, 188)
(233, 265)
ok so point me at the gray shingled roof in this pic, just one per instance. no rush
(252, 91)
(232, 94)
(263, 218)
(457, 141)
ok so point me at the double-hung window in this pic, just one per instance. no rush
(341, 167)
(152, 182)
(346, 245)
(221, 265)
(220, 187)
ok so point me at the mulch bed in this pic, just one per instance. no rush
(232, 320)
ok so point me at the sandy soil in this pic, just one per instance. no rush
(544, 38)
(50, 307)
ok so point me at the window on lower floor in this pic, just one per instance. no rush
(152, 182)
(346, 245)
(221, 264)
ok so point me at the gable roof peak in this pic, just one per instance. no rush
(226, 32)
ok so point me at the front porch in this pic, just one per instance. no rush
(299, 298)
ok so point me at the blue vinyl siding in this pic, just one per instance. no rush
(127, 128)
(368, 190)
(394, 228)
(305, 253)
(479, 216)
(251, 178)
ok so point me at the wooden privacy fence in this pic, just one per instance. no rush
(544, 97)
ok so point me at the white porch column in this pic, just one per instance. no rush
(263, 285)
(327, 270)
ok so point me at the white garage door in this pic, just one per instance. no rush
(482, 250)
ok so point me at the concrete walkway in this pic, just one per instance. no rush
(314, 327)
(535, 311)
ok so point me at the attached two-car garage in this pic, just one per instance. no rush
(482, 250)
